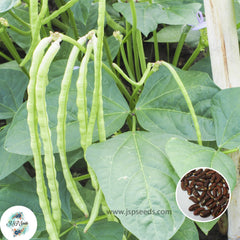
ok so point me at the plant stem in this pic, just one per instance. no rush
(81, 178)
(184, 34)
(129, 47)
(108, 53)
(156, 49)
(134, 38)
(193, 57)
(168, 52)
(187, 99)
(141, 51)
(59, 11)
(113, 24)
(144, 78)
(60, 25)
(44, 9)
(73, 23)
(133, 123)
(125, 76)
(5, 56)
(64, 16)
(19, 31)
(126, 62)
(11, 48)
(230, 151)
(19, 19)
(99, 218)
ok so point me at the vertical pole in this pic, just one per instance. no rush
(225, 62)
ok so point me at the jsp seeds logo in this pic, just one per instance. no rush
(18, 223)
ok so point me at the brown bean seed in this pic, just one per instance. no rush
(198, 172)
(209, 202)
(198, 210)
(193, 207)
(205, 213)
(194, 199)
(216, 210)
(201, 188)
(192, 184)
(189, 190)
(195, 193)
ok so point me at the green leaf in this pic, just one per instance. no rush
(135, 175)
(13, 84)
(203, 65)
(102, 230)
(23, 194)
(162, 107)
(187, 231)
(207, 226)
(5, 5)
(115, 108)
(185, 156)
(9, 162)
(225, 111)
(18, 176)
(150, 15)
(81, 10)
(173, 33)
(90, 21)
(113, 46)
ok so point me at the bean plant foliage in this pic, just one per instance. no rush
(96, 129)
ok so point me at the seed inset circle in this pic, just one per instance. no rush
(206, 193)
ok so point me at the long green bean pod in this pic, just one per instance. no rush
(42, 79)
(94, 109)
(95, 209)
(35, 29)
(61, 128)
(35, 141)
(186, 97)
(97, 106)
(82, 97)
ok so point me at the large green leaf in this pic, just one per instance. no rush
(17, 176)
(23, 194)
(187, 231)
(102, 230)
(135, 175)
(226, 115)
(150, 15)
(207, 226)
(162, 107)
(115, 113)
(13, 84)
(81, 10)
(185, 156)
(9, 162)
(90, 20)
(5, 5)
(173, 33)
(203, 65)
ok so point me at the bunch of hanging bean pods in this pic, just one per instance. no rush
(208, 190)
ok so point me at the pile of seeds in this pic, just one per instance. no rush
(208, 190)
